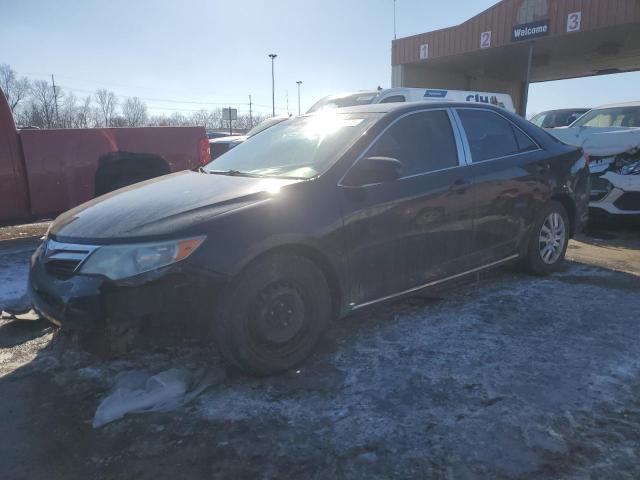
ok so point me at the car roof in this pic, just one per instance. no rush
(586, 109)
(410, 106)
(622, 104)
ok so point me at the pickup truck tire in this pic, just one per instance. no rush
(549, 240)
(273, 314)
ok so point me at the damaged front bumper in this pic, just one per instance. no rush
(616, 186)
(82, 302)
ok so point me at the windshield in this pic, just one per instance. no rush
(610, 117)
(269, 122)
(348, 100)
(302, 147)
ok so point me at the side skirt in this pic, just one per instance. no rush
(434, 283)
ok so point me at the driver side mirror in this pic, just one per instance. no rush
(373, 170)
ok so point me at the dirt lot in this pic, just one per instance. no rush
(506, 377)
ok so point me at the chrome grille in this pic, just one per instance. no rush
(600, 188)
(63, 259)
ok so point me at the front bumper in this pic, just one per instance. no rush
(82, 302)
(618, 202)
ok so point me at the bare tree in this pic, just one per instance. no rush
(14, 88)
(83, 115)
(43, 105)
(134, 112)
(201, 118)
(68, 110)
(107, 103)
(178, 119)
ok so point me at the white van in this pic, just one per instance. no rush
(393, 95)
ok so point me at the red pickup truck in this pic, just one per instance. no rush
(45, 172)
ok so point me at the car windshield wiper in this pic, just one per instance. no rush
(234, 173)
(238, 173)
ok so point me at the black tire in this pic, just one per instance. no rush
(538, 260)
(273, 314)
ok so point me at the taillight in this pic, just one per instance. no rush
(205, 156)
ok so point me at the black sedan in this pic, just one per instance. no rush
(313, 219)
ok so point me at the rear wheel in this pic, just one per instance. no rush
(272, 316)
(549, 240)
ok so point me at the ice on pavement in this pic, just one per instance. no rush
(136, 392)
(14, 269)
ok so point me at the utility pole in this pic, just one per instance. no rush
(394, 20)
(299, 82)
(55, 98)
(524, 98)
(250, 115)
(273, 56)
(230, 128)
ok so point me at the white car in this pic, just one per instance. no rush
(396, 95)
(610, 136)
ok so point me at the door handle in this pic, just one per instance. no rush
(459, 186)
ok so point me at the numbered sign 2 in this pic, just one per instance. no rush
(485, 39)
(574, 21)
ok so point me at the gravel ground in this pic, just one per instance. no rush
(507, 377)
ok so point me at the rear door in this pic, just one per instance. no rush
(511, 181)
(408, 232)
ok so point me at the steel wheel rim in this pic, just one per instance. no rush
(551, 238)
(278, 318)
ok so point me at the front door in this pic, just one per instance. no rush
(408, 232)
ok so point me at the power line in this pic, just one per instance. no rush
(171, 100)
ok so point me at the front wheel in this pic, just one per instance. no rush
(272, 316)
(549, 240)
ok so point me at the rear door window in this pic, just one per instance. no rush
(489, 135)
(423, 142)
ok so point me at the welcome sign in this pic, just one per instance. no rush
(531, 30)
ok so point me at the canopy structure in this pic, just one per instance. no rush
(517, 42)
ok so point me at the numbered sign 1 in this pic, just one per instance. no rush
(574, 21)
(485, 39)
(424, 51)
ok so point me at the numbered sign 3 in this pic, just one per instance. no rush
(574, 21)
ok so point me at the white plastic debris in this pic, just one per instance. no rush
(142, 392)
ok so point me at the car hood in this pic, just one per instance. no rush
(600, 142)
(163, 206)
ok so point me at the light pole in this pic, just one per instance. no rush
(273, 56)
(299, 82)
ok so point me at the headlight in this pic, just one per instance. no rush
(121, 261)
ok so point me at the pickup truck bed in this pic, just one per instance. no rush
(45, 172)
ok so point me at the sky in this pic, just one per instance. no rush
(191, 54)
